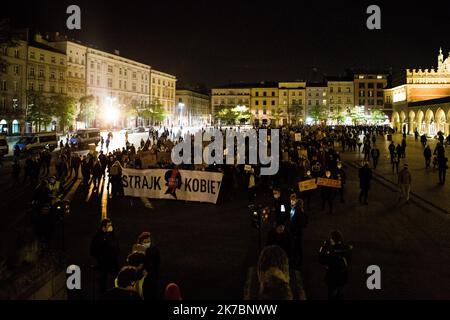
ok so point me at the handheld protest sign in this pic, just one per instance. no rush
(329, 183)
(307, 185)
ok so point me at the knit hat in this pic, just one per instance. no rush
(172, 292)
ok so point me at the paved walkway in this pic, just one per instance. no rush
(424, 181)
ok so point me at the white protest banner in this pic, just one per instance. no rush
(172, 184)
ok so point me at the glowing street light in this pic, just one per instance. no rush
(240, 108)
(111, 112)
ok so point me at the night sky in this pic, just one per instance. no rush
(212, 42)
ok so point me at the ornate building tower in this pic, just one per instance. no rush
(440, 60)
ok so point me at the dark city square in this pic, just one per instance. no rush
(199, 152)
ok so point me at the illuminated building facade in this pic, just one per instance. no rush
(419, 99)
(193, 108)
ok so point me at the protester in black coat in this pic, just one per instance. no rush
(365, 177)
(392, 150)
(97, 174)
(152, 264)
(342, 176)
(442, 167)
(105, 249)
(280, 236)
(297, 222)
(427, 156)
(85, 171)
(336, 256)
(375, 153)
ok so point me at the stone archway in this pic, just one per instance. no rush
(420, 122)
(430, 125)
(395, 120)
(412, 122)
(441, 121)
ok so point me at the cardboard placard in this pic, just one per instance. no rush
(329, 183)
(148, 158)
(292, 134)
(307, 185)
(164, 157)
(247, 167)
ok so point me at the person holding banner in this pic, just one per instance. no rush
(115, 178)
(328, 193)
(306, 195)
(340, 173)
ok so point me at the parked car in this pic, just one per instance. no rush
(38, 141)
(82, 138)
(139, 130)
(129, 130)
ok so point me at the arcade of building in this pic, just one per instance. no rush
(428, 117)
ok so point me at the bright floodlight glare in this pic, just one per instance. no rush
(241, 108)
(111, 114)
(110, 111)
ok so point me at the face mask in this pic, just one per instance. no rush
(147, 245)
(339, 166)
(308, 173)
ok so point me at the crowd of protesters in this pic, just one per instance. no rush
(139, 279)
(315, 154)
